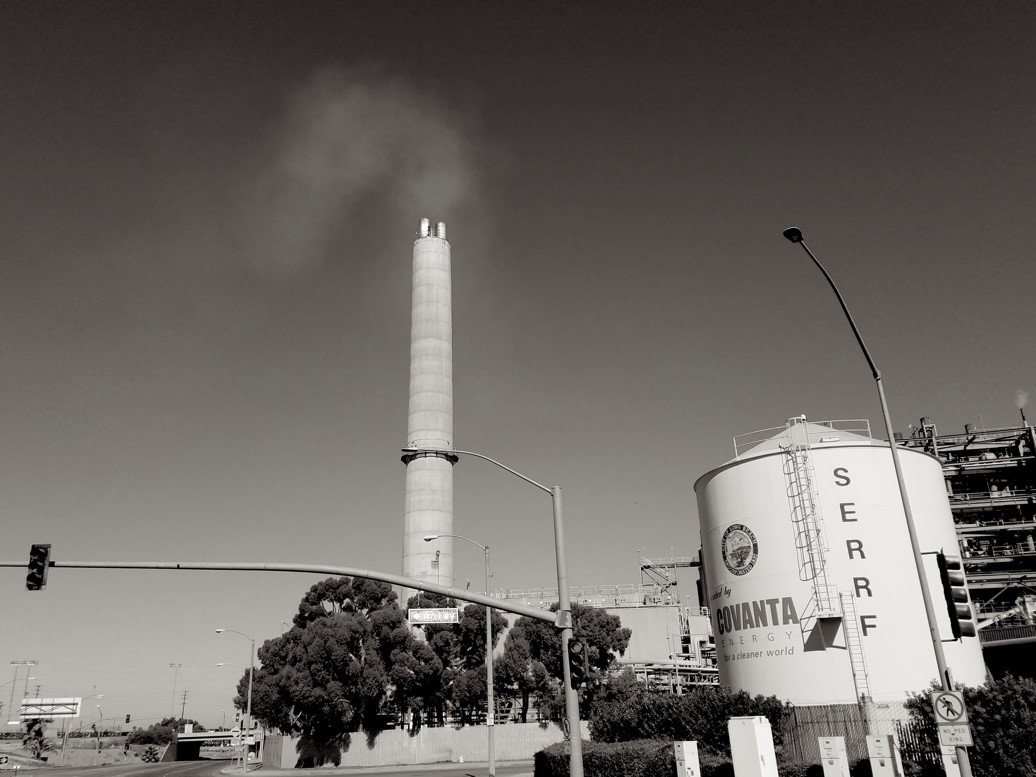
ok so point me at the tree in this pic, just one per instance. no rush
(160, 733)
(460, 649)
(532, 664)
(331, 673)
(34, 740)
(518, 675)
(1002, 713)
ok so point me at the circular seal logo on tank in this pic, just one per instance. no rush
(740, 549)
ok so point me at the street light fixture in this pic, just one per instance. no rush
(564, 620)
(248, 704)
(794, 234)
(490, 706)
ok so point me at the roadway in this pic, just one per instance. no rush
(217, 768)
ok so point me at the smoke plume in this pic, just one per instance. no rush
(1021, 398)
(347, 137)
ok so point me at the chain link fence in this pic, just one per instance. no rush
(917, 742)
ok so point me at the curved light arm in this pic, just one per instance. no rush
(795, 236)
(250, 639)
(564, 614)
(453, 451)
(430, 537)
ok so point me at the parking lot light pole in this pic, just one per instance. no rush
(794, 234)
(564, 619)
(248, 703)
(490, 709)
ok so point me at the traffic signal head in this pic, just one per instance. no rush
(954, 588)
(576, 663)
(127, 718)
(39, 565)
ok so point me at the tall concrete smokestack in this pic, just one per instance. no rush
(428, 507)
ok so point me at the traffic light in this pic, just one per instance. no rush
(954, 588)
(127, 718)
(39, 565)
(576, 663)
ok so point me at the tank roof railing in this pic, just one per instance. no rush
(670, 561)
(744, 442)
(623, 594)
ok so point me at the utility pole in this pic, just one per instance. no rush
(183, 707)
(176, 673)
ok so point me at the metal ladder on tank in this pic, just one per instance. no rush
(854, 645)
(810, 543)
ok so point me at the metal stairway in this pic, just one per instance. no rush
(854, 645)
(820, 619)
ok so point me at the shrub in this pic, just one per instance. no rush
(640, 758)
(1002, 713)
(628, 711)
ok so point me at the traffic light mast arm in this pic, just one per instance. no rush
(319, 569)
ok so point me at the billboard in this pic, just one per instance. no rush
(50, 708)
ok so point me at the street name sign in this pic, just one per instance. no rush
(434, 615)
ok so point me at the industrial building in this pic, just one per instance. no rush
(671, 646)
(808, 569)
(990, 477)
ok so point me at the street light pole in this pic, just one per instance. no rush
(564, 621)
(14, 684)
(248, 704)
(794, 234)
(490, 705)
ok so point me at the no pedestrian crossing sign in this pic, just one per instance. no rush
(955, 736)
(952, 717)
(949, 708)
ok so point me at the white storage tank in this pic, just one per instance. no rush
(808, 570)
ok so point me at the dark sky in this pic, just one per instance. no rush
(208, 211)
